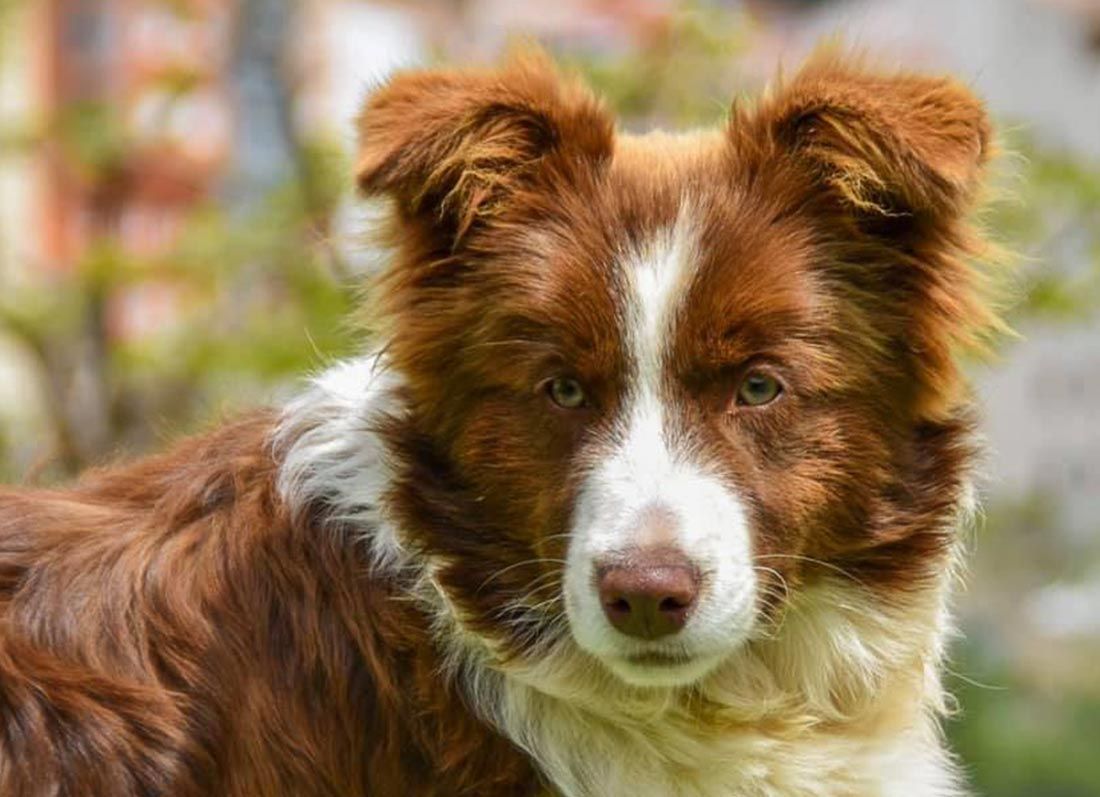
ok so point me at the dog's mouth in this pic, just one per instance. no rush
(658, 659)
(660, 668)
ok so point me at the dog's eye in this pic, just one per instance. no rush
(757, 389)
(566, 393)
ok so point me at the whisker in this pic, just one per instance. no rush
(542, 605)
(525, 563)
(778, 575)
(828, 565)
(534, 593)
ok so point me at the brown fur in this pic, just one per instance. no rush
(168, 629)
(835, 237)
(172, 627)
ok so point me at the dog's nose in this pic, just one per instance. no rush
(648, 594)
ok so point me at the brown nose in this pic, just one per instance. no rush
(648, 594)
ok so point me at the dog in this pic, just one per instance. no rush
(651, 481)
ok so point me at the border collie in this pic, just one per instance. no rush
(651, 483)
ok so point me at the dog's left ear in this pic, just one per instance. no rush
(450, 145)
(895, 162)
(889, 144)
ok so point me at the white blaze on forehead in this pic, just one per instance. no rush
(639, 469)
(658, 274)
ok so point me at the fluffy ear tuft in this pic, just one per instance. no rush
(452, 143)
(895, 162)
(888, 143)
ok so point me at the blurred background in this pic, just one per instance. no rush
(178, 238)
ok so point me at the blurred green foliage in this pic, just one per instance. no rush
(254, 298)
(1029, 714)
(683, 75)
(1017, 739)
(244, 299)
(1051, 216)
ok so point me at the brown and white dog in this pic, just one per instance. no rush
(651, 486)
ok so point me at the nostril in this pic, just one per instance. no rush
(648, 594)
(620, 605)
(673, 605)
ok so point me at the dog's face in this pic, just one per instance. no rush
(658, 385)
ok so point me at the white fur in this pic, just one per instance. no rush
(331, 451)
(710, 527)
(841, 700)
(641, 469)
(657, 275)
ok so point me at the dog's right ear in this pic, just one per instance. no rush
(450, 145)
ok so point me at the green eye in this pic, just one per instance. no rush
(757, 389)
(566, 393)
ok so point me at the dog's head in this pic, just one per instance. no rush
(658, 385)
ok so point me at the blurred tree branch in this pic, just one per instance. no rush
(248, 288)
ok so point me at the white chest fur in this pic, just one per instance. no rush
(585, 758)
(842, 702)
